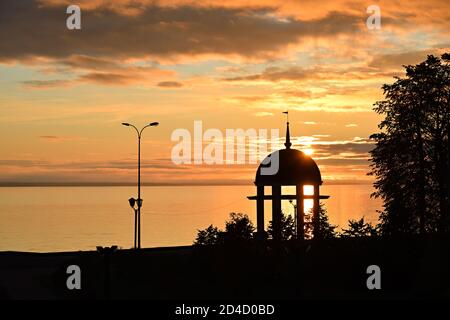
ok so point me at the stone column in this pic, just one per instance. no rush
(276, 212)
(260, 209)
(316, 207)
(300, 212)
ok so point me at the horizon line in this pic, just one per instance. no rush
(158, 184)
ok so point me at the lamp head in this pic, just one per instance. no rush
(154, 124)
(125, 124)
(132, 201)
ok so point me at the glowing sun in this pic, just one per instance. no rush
(308, 151)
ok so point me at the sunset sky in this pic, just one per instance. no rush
(231, 64)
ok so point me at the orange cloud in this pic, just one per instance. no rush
(170, 84)
(159, 32)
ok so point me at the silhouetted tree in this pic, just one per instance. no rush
(359, 228)
(239, 227)
(207, 237)
(287, 227)
(410, 158)
(326, 229)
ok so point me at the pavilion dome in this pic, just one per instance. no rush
(295, 167)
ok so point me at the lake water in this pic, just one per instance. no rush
(44, 219)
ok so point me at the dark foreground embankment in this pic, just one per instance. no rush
(335, 269)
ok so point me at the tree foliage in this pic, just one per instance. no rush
(208, 237)
(410, 158)
(325, 229)
(240, 228)
(287, 227)
(237, 228)
(359, 228)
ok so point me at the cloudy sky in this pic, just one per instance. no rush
(230, 64)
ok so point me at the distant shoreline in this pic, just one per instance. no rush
(132, 184)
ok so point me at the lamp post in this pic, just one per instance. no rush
(295, 215)
(138, 201)
(132, 202)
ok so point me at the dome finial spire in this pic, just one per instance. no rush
(288, 143)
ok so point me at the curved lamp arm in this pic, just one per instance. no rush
(139, 133)
(130, 125)
(152, 124)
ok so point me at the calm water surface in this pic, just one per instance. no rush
(44, 219)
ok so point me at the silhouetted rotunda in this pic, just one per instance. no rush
(295, 168)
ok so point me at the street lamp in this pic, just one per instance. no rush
(138, 201)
